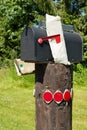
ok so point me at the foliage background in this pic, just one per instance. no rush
(16, 14)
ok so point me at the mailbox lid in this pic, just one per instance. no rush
(74, 46)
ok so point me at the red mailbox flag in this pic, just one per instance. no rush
(56, 37)
(47, 96)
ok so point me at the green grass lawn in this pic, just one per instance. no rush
(17, 105)
(80, 109)
(17, 110)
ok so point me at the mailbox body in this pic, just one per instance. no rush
(31, 51)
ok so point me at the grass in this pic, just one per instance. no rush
(80, 108)
(17, 110)
(80, 99)
(17, 105)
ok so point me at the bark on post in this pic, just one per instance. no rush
(53, 77)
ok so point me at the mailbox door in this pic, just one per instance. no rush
(27, 46)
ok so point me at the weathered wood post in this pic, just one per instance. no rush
(53, 77)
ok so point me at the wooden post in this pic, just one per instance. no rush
(53, 77)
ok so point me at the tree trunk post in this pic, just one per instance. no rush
(53, 77)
